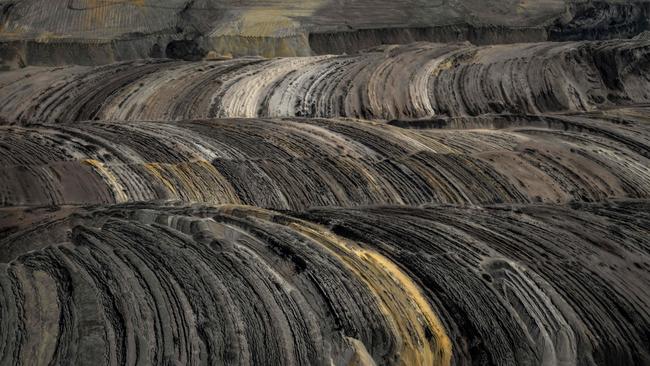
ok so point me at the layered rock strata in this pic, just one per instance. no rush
(299, 163)
(506, 285)
(374, 199)
(421, 80)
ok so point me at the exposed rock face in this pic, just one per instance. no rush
(584, 20)
(415, 81)
(414, 182)
(91, 32)
(294, 164)
(601, 19)
(496, 285)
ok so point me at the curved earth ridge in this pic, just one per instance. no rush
(93, 32)
(299, 163)
(507, 285)
(396, 82)
(374, 201)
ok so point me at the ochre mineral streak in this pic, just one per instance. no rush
(353, 182)
(237, 284)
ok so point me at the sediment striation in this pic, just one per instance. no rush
(506, 285)
(411, 182)
(299, 163)
(416, 81)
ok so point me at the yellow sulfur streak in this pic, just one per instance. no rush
(407, 311)
(196, 181)
(400, 299)
(157, 170)
(110, 179)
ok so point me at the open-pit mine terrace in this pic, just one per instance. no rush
(324, 183)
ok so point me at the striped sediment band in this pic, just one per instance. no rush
(298, 163)
(387, 285)
(419, 80)
(421, 335)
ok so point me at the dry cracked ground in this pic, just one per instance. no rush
(324, 182)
